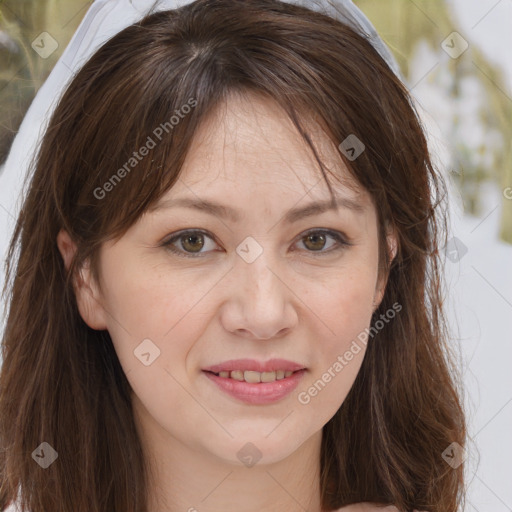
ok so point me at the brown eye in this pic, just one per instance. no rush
(315, 242)
(192, 243)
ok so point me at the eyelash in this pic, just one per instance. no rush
(342, 242)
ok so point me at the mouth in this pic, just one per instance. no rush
(253, 371)
(254, 377)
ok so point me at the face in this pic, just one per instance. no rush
(262, 278)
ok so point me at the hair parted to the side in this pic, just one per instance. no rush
(61, 381)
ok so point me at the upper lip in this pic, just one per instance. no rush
(255, 366)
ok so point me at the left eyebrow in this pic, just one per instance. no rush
(293, 215)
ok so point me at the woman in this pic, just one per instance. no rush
(227, 295)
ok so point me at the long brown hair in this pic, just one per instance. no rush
(61, 381)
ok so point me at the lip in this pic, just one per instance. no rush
(255, 366)
(258, 393)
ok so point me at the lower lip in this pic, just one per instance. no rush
(258, 393)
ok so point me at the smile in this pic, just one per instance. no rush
(254, 377)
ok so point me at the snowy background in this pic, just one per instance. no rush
(479, 277)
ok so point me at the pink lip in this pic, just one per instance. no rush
(255, 366)
(258, 393)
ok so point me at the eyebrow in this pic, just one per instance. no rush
(293, 215)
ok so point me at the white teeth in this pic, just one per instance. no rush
(237, 375)
(254, 377)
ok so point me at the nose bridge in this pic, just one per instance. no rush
(261, 293)
(255, 268)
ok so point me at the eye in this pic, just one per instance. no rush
(191, 240)
(315, 241)
(190, 243)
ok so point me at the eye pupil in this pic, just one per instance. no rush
(313, 238)
(193, 238)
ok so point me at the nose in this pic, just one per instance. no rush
(260, 303)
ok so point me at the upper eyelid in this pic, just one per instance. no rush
(183, 232)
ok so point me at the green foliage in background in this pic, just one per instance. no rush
(22, 70)
(404, 25)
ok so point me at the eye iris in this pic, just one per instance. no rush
(194, 238)
(315, 237)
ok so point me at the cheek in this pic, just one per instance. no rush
(344, 302)
(351, 309)
(142, 298)
(145, 303)
(344, 310)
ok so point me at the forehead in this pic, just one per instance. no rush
(248, 140)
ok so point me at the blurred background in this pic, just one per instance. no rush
(455, 58)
